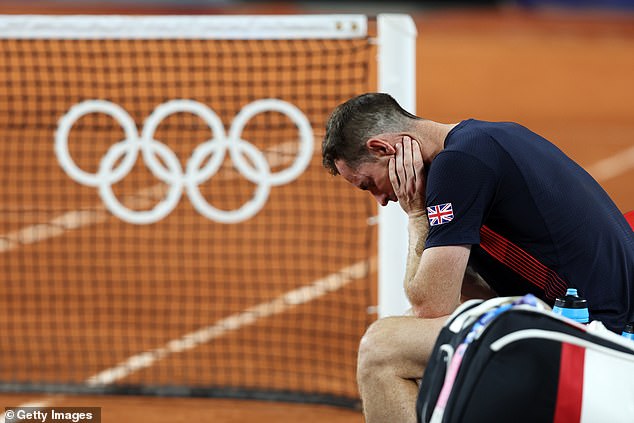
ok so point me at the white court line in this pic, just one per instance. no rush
(75, 219)
(612, 166)
(251, 315)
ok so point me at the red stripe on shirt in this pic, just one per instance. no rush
(629, 216)
(522, 263)
(570, 389)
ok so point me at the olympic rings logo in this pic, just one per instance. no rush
(247, 158)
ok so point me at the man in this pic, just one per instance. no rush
(490, 201)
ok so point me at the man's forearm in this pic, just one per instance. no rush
(417, 229)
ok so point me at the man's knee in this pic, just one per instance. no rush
(377, 351)
(397, 346)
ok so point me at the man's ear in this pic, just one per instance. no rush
(380, 147)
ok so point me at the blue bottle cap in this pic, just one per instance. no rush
(571, 300)
(572, 306)
(628, 331)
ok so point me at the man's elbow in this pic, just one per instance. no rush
(430, 305)
(425, 311)
(426, 307)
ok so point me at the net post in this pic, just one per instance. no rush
(396, 76)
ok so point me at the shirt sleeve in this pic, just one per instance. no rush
(459, 193)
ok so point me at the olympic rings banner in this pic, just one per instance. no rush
(169, 170)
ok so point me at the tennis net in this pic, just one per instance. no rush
(166, 226)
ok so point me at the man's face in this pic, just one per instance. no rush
(370, 176)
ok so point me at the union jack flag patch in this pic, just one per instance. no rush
(442, 213)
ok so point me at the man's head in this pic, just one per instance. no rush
(360, 138)
(353, 123)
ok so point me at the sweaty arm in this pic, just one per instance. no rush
(417, 228)
(470, 284)
(435, 289)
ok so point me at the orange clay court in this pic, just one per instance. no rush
(568, 77)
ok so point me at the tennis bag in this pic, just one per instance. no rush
(512, 359)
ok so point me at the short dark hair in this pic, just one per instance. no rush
(352, 123)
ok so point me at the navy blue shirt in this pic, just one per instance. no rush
(537, 221)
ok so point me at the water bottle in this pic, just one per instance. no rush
(628, 331)
(572, 306)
